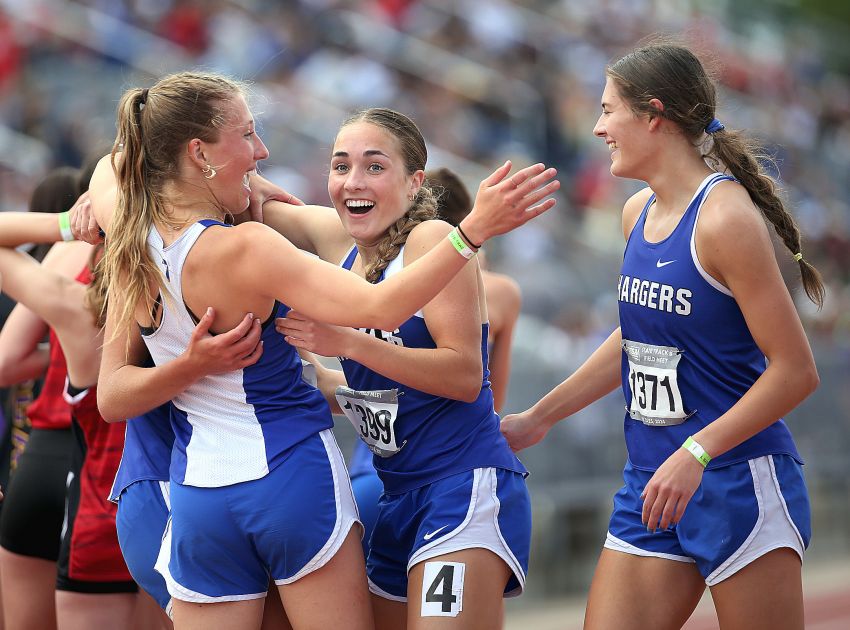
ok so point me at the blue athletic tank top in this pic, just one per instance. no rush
(237, 426)
(361, 461)
(441, 436)
(688, 353)
(148, 440)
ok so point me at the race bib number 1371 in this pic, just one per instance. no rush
(654, 385)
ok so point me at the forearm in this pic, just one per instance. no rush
(328, 380)
(442, 372)
(397, 297)
(130, 391)
(780, 388)
(18, 369)
(17, 228)
(598, 375)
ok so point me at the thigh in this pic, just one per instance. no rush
(240, 615)
(766, 594)
(84, 611)
(641, 593)
(141, 522)
(334, 596)
(390, 614)
(461, 590)
(28, 591)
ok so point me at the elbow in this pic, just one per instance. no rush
(470, 394)
(9, 372)
(108, 408)
(468, 387)
(811, 379)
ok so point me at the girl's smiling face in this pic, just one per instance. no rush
(368, 181)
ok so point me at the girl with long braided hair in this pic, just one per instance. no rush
(710, 354)
(453, 529)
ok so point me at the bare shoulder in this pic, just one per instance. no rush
(732, 237)
(632, 209)
(502, 289)
(425, 236)
(729, 216)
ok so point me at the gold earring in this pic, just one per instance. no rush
(208, 171)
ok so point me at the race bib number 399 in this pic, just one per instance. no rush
(373, 415)
(653, 382)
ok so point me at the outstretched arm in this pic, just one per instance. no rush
(59, 301)
(327, 293)
(598, 376)
(451, 369)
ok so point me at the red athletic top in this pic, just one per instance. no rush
(50, 410)
(95, 555)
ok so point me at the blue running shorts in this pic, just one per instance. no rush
(223, 544)
(486, 508)
(739, 513)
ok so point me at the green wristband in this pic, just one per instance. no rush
(65, 226)
(460, 245)
(697, 451)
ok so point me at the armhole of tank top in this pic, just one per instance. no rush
(157, 313)
(351, 254)
(711, 280)
(396, 265)
(641, 217)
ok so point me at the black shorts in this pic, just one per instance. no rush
(34, 506)
(90, 559)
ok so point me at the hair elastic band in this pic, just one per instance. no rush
(798, 256)
(466, 238)
(714, 126)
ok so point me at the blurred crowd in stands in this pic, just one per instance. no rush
(485, 81)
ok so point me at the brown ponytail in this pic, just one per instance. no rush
(740, 156)
(153, 126)
(424, 207)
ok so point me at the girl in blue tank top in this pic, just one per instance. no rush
(455, 514)
(710, 355)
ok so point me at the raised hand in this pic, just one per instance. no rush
(504, 203)
(262, 190)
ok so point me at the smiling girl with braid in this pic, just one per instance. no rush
(710, 354)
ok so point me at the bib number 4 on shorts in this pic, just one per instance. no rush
(373, 415)
(654, 385)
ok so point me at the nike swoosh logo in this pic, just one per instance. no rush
(430, 535)
(660, 264)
